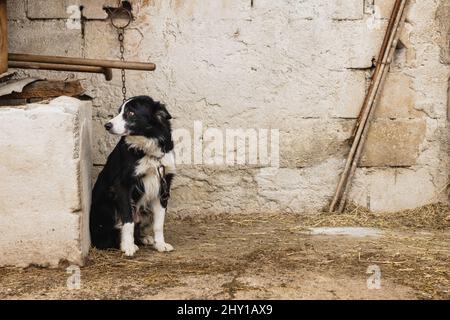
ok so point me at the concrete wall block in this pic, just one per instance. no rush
(16, 9)
(45, 183)
(405, 55)
(93, 9)
(434, 150)
(393, 143)
(49, 9)
(59, 9)
(348, 45)
(219, 190)
(397, 98)
(384, 8)
(348, 9)
(95, 30)
(213, 190)
(349, 93)
(299, 190)
(393, 189)
(443, 19)
(362, 52)
(314, 141)
(49, 38)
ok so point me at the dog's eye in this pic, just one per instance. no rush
(130, 113)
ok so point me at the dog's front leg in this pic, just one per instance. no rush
(159, 213)
(127, 244)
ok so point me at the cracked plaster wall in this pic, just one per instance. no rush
(298, 66)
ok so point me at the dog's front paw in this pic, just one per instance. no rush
(162, 247)
(148, 240)
(129, 249)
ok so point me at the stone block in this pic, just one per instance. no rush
(59, 9)
(443, 19)
(46, 183)
(99, 32)
(16, 9)
(48, 9)
(349, 94)
(49, 38)
(348, 9)
(393, 143)
(397, 98)
(353, 44)
(93, 9)
(313, 141)
(393, 189)
(304, 190)
(384, 8)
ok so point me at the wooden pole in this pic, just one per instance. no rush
(61, 67)
(362, 123)
(114, 64)
(365, 129)
(3, 37)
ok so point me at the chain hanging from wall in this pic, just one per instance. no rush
(123, 13)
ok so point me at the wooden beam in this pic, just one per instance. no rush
(48, 89)
(3, 37)
(114, 64)
(107, 72)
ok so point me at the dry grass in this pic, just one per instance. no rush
(413, 253)
(430, 217)
(422, 263)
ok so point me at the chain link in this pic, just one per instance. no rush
(121, 32)
(121, 36)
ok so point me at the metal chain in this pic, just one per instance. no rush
(121, 35)
(121, 32)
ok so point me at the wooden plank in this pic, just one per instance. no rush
(3, 37)
(48, 89)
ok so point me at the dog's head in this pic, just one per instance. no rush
(139, 116)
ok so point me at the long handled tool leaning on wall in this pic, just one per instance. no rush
(362, 125)
(3, 37)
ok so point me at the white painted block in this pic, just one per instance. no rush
(348, 9)
(45, 184)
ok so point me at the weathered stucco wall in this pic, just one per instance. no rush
(298, 66)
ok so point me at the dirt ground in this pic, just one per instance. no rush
(263, 257)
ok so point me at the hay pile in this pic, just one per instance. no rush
(430, 217)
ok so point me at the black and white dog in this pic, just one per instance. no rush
(134, 186)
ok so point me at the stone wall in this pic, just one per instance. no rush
(298, 66)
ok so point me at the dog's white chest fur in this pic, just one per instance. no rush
(148, 167)
(147, 170)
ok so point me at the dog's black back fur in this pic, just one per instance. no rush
(117, 187)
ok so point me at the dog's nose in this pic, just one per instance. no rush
(108, 126)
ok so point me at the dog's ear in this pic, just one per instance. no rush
(162, 112)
